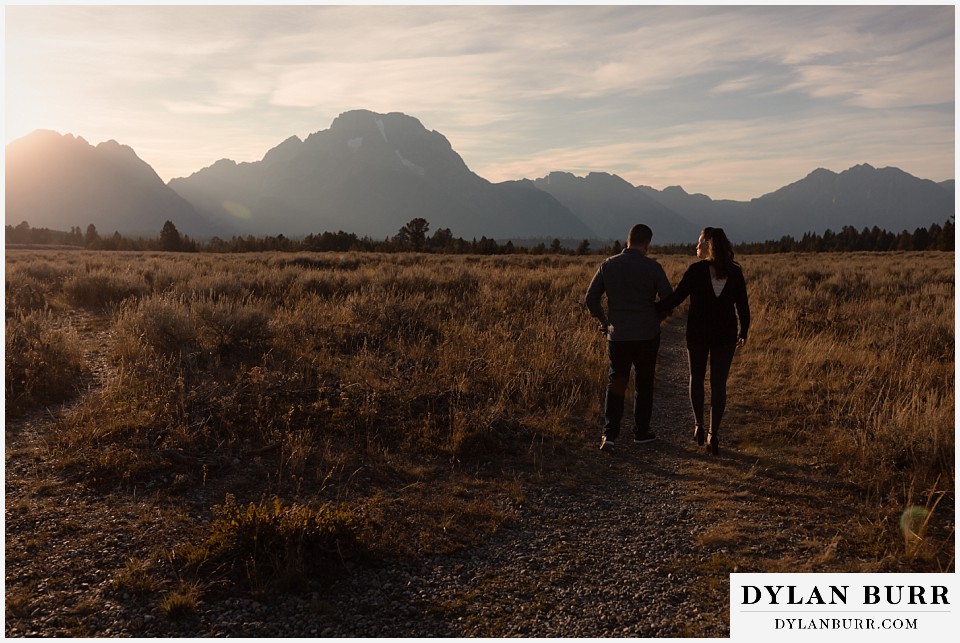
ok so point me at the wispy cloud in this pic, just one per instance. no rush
(728, 100)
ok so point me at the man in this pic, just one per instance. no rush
(632, 281)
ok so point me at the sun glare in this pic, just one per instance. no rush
(237, 210)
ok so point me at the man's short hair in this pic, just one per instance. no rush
(640, 235)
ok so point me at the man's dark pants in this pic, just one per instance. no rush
(641, 356)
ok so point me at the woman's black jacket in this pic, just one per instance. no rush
(711, 320)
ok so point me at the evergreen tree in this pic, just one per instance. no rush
(413, 234)
(170, 237)
(92, 238)
(441, 239)
(947, 240)
(921, 239)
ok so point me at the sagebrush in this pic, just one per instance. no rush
(380, 384)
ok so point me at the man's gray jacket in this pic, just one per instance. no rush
(631, 281)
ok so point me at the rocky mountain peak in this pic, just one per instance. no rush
(284, 152)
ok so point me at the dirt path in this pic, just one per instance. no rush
(64, 546)
(638, 543)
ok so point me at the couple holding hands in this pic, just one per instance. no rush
(717, 324)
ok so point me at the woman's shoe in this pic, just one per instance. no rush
(713, 445)
(698, 434)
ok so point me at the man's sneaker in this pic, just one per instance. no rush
(646, 437)
(606, 444)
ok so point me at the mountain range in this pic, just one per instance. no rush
(371, 173)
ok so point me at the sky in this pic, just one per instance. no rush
(729, 101)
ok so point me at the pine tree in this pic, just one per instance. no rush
(170, 237)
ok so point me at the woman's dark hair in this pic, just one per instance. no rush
(720, 252)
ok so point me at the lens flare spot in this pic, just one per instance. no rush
(237, 210)
(912, 523)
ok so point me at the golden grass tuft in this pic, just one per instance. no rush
(182, 602)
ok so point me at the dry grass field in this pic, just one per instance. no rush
(850, 368)
(289, 411)
(855, 354)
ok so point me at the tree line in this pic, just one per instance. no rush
(849, 239)
(413, 237)
(169, 239)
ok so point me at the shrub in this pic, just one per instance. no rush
(101, 288)
(276, 544)
(42, 361)
(25, 293)
(160, 324)
(223, 324)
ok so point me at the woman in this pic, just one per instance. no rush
(718, 298)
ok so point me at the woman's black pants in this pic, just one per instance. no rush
(720, 357)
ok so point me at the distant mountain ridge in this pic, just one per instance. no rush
(62, 181)
(888, 198)
(611, 206)
(371, 173)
